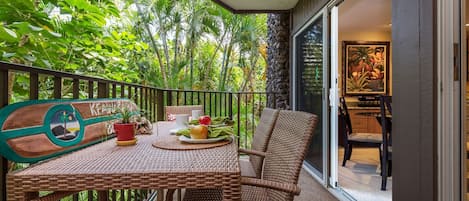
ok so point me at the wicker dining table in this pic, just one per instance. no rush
(105, 166)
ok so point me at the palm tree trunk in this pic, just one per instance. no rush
(175, 57)
(165, 43)
(191, 57)
(214, 54)
(154, 46)
(224, 71)
(251, 69)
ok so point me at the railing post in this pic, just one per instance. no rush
(154, 97)
(230, 106)
(90, 89)
(136, 96)
(103, 90)
(169, 93)
(122, 90)
(114, 90)
(151, 103)
(76, 88)
(238, 121)
(216, 104)
(33, 86)
(210, 103)
(57, 87)
(142, 105)
(103, 195)
(3, 162)
(3, 86)
(145, 100)
(129, 92)
(159, 105)
(204, 103)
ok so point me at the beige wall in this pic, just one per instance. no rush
(365, 36)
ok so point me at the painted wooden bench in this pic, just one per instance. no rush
(36, 130)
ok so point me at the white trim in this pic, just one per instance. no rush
(314, 173)
(334, 97)
(463, 126)
(448, 133)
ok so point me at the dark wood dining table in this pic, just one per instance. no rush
(377, 115)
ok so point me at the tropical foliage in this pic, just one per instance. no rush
(166, 43)
(177, 44)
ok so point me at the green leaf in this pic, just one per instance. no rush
(8, 54)
(35, 28)
(30, 58)
(55, 34)
(21, 27)
(8, 34)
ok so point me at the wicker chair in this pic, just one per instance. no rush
(253, 166)
(186, 109)
(283, 160)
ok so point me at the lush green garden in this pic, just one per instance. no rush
(183, 44)
(171, 44)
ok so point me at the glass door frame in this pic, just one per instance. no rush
(451, 94)
(334, 95)
(330, 91)
(325, 107)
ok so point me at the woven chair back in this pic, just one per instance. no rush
(262, 136)
(286, 150)
(186, 109)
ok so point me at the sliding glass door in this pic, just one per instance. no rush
(310, 80)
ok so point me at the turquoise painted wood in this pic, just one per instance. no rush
(35, 130)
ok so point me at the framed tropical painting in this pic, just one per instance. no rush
(365, 67)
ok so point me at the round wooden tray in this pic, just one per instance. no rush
(172, 142)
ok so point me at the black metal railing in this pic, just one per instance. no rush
(243, 107)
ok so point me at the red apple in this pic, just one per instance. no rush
(205, 120)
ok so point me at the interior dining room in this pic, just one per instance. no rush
(365, 67)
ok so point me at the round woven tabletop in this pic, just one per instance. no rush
(172, 142)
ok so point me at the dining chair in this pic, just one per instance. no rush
(354, 139)
(260, 140)
(283, 160)
(252, 167)
(183, 109)
(386, 149)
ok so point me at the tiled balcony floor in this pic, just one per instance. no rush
(311, 190)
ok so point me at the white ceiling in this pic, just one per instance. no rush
(365, 15)
(260, 4)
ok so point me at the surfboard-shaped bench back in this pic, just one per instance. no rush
(32, 131)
